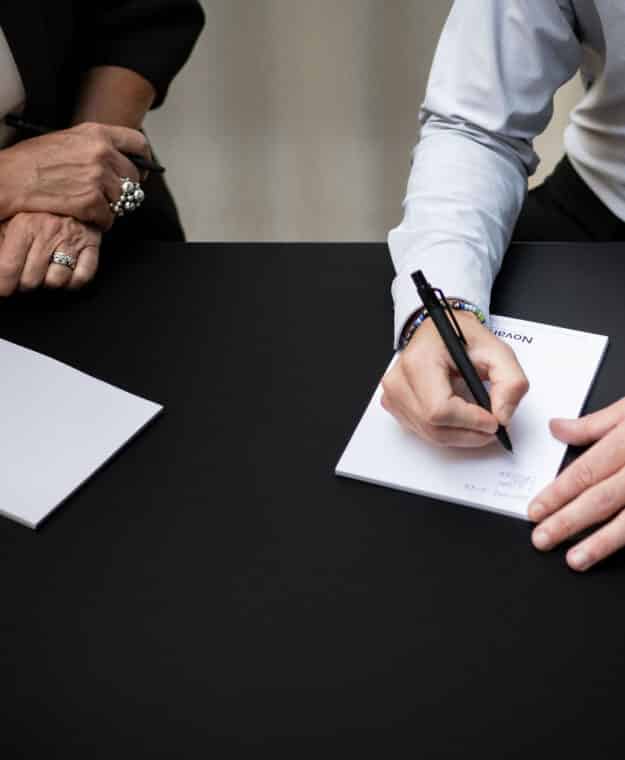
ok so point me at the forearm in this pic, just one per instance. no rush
(489, 94)
(462, 202)
(114, 95)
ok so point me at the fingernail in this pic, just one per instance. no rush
(505, 413)
(541, 539)
(579, 559)
(536, 511)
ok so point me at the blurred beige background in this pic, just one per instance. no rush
(295, 120)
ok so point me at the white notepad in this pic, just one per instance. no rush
(561, 366)
(57, 427)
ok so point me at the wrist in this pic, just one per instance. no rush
(11, 193)
(114, 95)
(464, 311)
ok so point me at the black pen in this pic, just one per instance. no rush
(455, 342)
(12, 120)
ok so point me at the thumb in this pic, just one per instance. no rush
(590, 427)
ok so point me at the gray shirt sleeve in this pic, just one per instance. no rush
(490, 92)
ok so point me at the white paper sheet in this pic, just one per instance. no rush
(57, 427)
(561, 366)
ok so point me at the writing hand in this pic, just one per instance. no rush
(421, 390)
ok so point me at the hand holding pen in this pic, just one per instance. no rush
(75, 172)
(422, 389)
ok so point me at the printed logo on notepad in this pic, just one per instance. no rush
(513, 336)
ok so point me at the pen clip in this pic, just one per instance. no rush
(441, 297)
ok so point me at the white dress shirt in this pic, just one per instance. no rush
(11, 88)
(497, 66)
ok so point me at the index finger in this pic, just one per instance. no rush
(128, 140)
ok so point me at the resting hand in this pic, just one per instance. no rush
(28, 241)
(588, 492)
(75, 172)
(422, 388)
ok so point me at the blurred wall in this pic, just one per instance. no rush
(295, 119)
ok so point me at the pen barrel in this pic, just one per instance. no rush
(460, 357)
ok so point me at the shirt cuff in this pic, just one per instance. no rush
(457, 272)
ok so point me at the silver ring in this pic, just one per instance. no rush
(64, 259)
(131, 197)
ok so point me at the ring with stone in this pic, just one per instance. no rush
(64, 259)
(131, 197)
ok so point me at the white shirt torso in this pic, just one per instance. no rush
(11, 88)
(490, 92)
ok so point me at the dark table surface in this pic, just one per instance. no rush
(215, 584)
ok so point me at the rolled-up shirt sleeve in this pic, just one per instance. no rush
(490, 92)
(152, 37)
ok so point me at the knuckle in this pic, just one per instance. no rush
(507, 351)
(604, 501)
(28, 282)
(8, 270)
(143, 142)
(562, 525)
(556, 495)
(101, 151)
(95, 207)
(435, 414)
(68, 227)
(583, 475)
(93, 128)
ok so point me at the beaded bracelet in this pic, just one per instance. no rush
(422, 315)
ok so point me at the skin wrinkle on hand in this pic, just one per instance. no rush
(31, 238)
(108, 95)
(572, 500)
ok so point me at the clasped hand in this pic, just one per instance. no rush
(421, 391)
(55, 194)
(28, 240)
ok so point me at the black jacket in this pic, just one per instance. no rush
(55, 41)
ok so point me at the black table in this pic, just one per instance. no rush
(216, 585)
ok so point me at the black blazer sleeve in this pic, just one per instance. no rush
(152, 37)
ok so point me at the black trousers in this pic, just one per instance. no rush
(565, 208)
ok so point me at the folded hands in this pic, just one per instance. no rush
(55, 195)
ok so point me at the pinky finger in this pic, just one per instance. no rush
(603, 542)
(86, 268)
